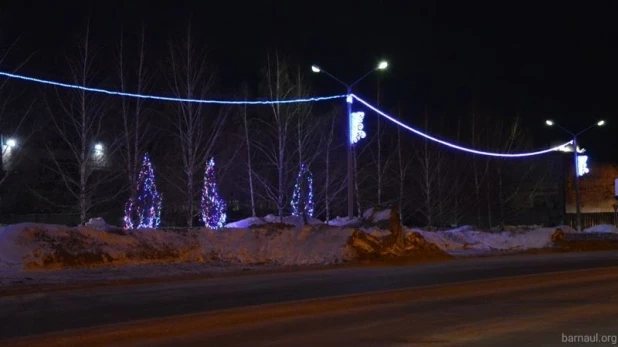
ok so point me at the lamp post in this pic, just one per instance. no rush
(381, 66)
(576, 165)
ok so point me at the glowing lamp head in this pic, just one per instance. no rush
(315, 68)
(11, 143)
(601, 123)
(549, 122)
(98, 147)
(383, 65)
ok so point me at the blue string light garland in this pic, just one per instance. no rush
(271, 102)
(465, 149)
(168, 98)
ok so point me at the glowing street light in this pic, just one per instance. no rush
(98, 147)
(580, 161)
(11, 143)
(354, 127)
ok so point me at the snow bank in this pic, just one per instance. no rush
(298, 246)
(18, 240)
(252, 241)
(246, 223)
(602, 228)
(291, 220)
(271, 219)
(344, 222)
(467, 239)
(374, 216)
(39, 246)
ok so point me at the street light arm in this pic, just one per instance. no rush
(336, 79)
(588, 128)
(362, 78)
(565, 129)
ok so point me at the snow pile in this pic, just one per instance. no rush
(291, 220)
(297, 246)
(374, 216)
(467, 239)
(602, 228)
(18, 240)
(40, 246)
(246, 223)
(271, 219)
(99, 224)
(344, 222)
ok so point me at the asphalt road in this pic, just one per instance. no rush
(432, 304)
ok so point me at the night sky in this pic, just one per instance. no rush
(556, 61)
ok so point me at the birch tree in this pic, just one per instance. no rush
(334, 178)
(12, 124)
(195, 127)
(136, 132)
(278, 125)
(403, 166)
(247, 139)
(83, 167)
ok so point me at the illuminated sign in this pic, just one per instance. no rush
(582, 165)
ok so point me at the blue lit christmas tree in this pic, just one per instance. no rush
(145, 210)
(302, 199)
(213, 207)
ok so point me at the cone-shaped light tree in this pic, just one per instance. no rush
(145, 210)
(302, 199)
(213, 207)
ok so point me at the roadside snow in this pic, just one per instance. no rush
(40, 246)
(466, 239)
(298, 246)
(374, 216)
(253, 241)
(246, 223)
(343, 221)
(602, 228)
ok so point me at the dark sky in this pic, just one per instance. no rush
(553, 60)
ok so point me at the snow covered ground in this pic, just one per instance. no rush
(251, 241)
(101, 253)
(466, 240)
(602, 228)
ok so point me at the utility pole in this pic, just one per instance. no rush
(578, 217)
(381, 66)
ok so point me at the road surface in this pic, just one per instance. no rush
(492, 301)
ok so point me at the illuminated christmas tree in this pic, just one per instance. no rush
(144, 211)
(302, 199)
(213, 207)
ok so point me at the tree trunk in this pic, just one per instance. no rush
(249, 168)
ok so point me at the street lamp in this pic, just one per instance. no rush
(578, 166)
(11, 143)
(381, 66)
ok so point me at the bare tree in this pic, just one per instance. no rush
(434, 181)
(249, 155)
(426, 157)
(136, 129)
(402, 170)
(519, 177)
(196, 128)
(83, 168)
(334, 181)
(10, 154)
(274, 145)
(479, 172)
